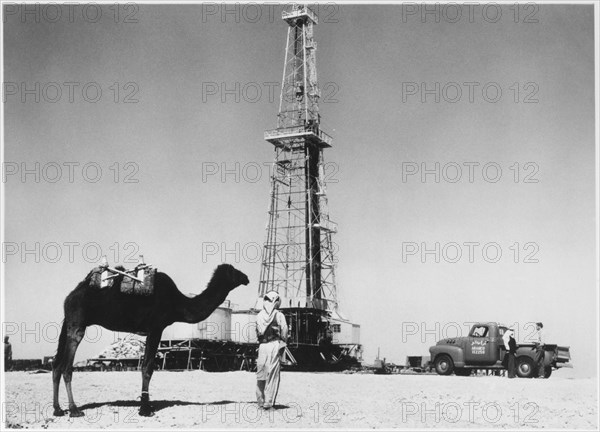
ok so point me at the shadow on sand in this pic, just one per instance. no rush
(159, 405)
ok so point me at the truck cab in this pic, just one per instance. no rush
(483, 348)
(483, 345)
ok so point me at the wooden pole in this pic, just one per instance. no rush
(122, 273)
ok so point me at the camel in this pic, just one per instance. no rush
(146, 315)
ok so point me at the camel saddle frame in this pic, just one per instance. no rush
(138, 281)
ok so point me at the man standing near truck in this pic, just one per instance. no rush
(538, 339)
(511, 350)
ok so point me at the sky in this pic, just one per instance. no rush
(462, 173)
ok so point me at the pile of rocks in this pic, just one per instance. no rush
(124, 349)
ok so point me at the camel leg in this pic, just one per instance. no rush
(152, 342)
(74, 336)
(56, 375)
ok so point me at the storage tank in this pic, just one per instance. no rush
(243, 326)
(180, 331)
(216, 327)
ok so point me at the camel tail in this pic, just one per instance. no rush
(59, 358)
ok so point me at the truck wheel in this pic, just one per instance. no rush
(525, 367)
(462, 372)
(444, 364)
(547, 371)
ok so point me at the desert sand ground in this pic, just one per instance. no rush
(199, 399)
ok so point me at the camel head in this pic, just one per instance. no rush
(230, 277)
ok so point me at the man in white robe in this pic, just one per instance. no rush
(511, 351)
(272, 332)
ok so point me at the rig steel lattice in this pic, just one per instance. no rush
(298, 255)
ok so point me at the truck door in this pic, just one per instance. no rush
(481, 349)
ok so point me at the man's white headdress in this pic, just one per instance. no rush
(271, 303)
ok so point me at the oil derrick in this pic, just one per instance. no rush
(298, 254)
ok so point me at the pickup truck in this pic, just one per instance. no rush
(484, 348)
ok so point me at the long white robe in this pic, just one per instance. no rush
(268, 365)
